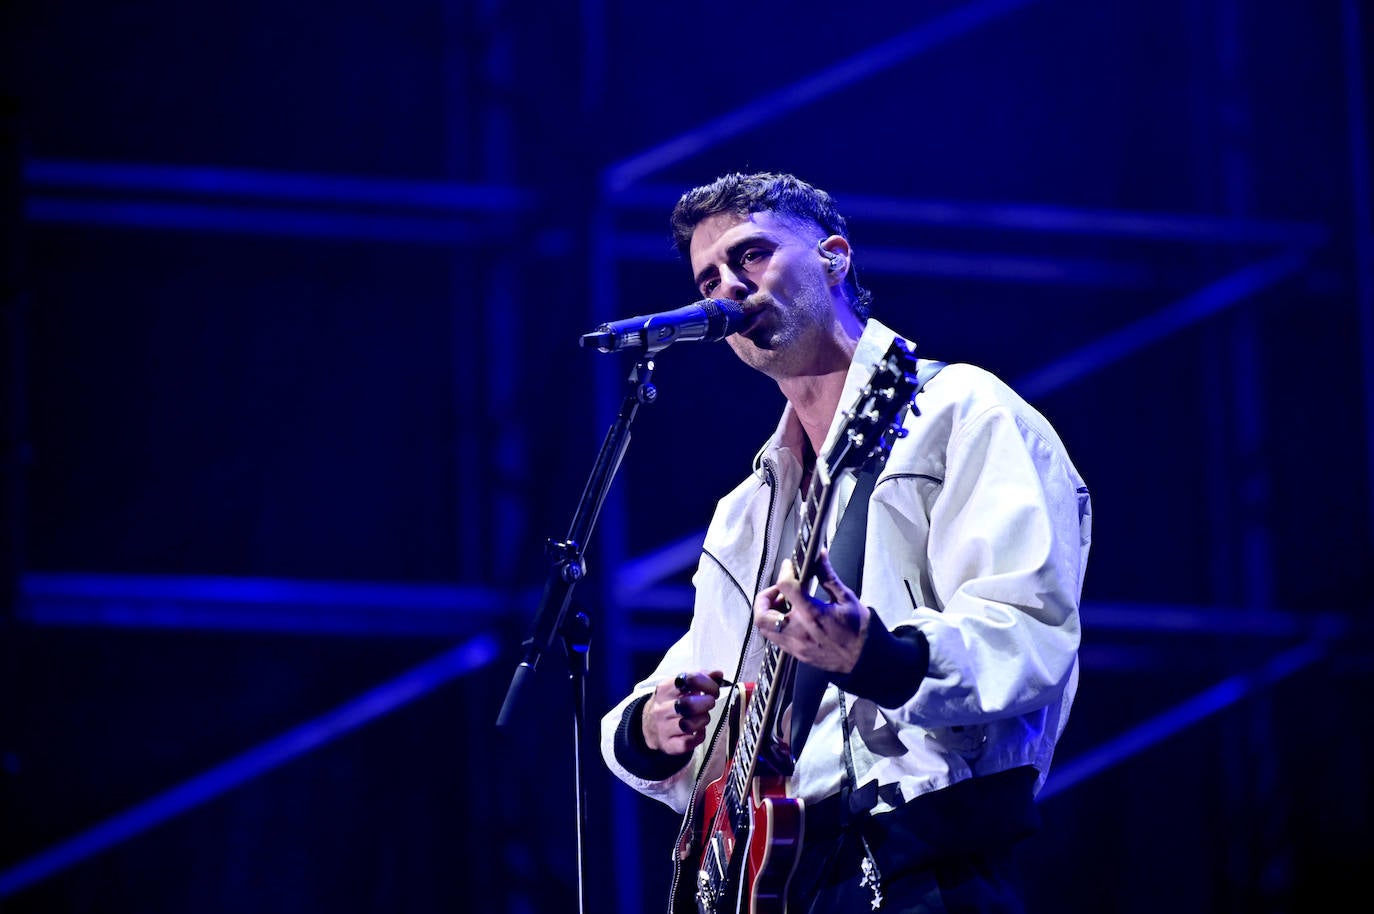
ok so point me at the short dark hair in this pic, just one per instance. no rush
(783, 194)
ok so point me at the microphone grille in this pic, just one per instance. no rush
(725, 317)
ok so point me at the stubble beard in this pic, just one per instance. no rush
(783, 346)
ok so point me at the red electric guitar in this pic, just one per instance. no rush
(750, 832)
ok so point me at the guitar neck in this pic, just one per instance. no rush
(818, 500)
(760, 738)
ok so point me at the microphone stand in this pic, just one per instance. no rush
(567, 567)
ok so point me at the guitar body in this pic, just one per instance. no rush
(763, 835)
(775, 843)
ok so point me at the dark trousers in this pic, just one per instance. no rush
(828, 877)
(947, 852)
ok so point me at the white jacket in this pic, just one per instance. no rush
(978, 534)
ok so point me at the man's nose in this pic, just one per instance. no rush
(732, 286)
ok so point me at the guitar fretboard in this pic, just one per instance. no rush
(763, 713)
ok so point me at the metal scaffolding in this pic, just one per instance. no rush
(638, 599)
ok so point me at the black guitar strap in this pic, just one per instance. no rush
(847, 558)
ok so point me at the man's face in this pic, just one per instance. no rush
(772, 268)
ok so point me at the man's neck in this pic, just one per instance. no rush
(815, 394)
(814, 400)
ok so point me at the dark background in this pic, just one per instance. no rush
(293, 399)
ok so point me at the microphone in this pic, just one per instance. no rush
(710, 319)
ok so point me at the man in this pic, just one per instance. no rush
(948, 667)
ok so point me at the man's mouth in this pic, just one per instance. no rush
(754, 314)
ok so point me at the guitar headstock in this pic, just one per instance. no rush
(871, 424)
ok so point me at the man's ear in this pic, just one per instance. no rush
(835, 250)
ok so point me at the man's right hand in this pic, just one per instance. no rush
(677, 714)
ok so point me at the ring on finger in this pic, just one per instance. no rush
(781, 622)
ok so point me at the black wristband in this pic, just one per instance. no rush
(633, 753)
(890, 666)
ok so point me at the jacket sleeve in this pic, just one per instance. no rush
(711, 642)
(1007, 548)
(654, 780)
(722, 617)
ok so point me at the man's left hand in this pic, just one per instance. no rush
(827, 635)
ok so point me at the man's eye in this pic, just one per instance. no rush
(709, 286)
(751, 256)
